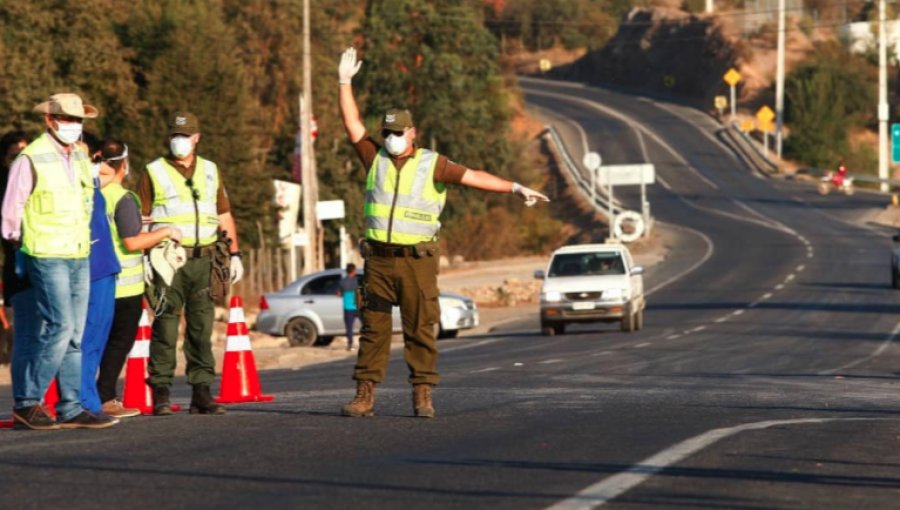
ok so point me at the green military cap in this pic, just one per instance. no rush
(397, 119)
(184, 123)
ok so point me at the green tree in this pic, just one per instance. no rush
(826, 98)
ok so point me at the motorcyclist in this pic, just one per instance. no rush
(838, 177)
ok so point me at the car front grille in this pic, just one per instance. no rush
(582, 296)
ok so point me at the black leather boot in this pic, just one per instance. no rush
(161, 404)
(202, 401)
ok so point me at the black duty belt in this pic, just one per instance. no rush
(386, 250)
(195, 252)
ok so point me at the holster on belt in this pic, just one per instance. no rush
(220, 275)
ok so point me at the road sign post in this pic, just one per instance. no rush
(591, 162)
(732, 77)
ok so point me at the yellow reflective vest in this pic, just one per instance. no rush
(404, 207)
(189, 204)
(57, 217)
(130, 281)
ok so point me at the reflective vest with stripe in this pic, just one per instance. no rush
(174, 202)
(130, 281)
(57, 216)
(404, 207)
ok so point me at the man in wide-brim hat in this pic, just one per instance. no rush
(46, 212)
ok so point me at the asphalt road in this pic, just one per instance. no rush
(764, 378)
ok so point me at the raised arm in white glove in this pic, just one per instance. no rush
(148, 271)
(349, 66)
(237, 269)
(531, 196)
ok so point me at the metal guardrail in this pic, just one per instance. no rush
(600, 200)
(758, 156)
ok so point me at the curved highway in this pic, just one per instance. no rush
(765, 376)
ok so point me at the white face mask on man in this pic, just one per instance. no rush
(68, 132)
(181, 146)
(395, 145)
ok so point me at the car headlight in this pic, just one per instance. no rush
(449, 302)
(613, 294)
(552, 296)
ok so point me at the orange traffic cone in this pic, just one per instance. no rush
(137, 394)
(240, 382)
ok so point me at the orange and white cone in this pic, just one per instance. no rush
(240, 382)
(137, 394)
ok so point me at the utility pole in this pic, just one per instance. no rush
(307, 156)
(883, 112)
(779, 85)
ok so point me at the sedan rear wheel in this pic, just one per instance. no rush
(301, 332)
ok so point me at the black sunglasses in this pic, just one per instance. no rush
(387, 132)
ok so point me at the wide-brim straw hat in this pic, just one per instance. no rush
(67, 104)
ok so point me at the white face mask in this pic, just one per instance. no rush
(395, 145)
(95, 170)
(68, 132)
(181, 146)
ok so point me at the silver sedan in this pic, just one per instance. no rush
(310, 311)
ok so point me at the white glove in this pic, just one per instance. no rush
(175, 234)
(349, 66)
(148, 271)
(237, 269)
(531, 196)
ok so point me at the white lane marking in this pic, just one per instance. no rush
(518, 364)
(642, 345)
(489, 369)
(603, 353)
(779, 286)
(606, 490)
(698, 328)
(673, 337)
(549, 361)
(737, 312)
(881, 348)
(767, 295)
(710, 249)
(721, 319)
(790, 277)
(801, 267)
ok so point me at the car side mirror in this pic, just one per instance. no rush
(539, 274)
(636, 270)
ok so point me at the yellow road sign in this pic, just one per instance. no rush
(765, 114)
(766, 125)
(545, 65)
(732, 77)
(747, 125)
(669, 81)
(721, 102)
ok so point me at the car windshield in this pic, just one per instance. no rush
(587, 264)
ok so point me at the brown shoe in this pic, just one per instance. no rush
(34, 418)
(364, 403)
(422, 405)
(115, 409)
(88, 420)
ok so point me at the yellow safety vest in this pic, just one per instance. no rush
(57, 219)
(176, 204)
(130, 281)
(412, 216)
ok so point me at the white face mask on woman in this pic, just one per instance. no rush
(395, 145)
(181, 146)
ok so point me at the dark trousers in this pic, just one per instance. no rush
(350, 317)
(122, 334)
(189, 292)
(411, 284)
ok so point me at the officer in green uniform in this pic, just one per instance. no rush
(185, 191)
(405, 193)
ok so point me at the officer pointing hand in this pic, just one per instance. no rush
(531, 196)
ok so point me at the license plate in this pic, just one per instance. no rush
(583, 306)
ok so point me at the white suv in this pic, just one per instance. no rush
(591, 283)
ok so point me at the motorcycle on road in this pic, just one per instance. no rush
(836, 182)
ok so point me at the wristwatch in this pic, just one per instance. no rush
(237, 254)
